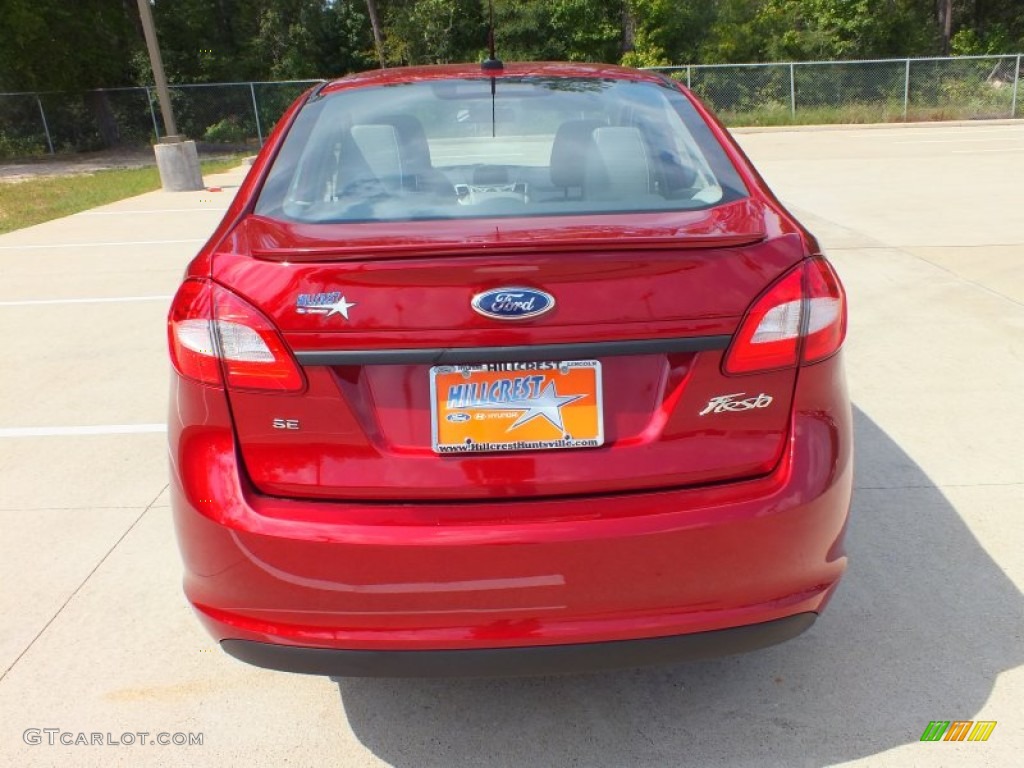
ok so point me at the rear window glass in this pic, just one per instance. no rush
(456, 149)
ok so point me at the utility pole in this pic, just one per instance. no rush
(378, 32)
(946, 19)
(157, 62)
(176, 159)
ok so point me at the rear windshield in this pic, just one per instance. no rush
(458, 149)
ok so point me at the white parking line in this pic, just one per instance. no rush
(162, 210)
(939, 130)
(100, 245)
(112, 300)
(100, 429)
(975, 151)
(958, 141)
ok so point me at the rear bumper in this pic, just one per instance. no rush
(535, 660)
(340, 587)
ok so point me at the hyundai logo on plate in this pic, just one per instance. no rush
(513, 303)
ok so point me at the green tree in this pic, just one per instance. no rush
(310, 39)
(433, 31)
(668, 31)
(560, 30)
(201, 40)
(48, 45)
(804, 30)
(85, 44)
(987, 27)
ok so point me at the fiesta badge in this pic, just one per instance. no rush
(513, 303)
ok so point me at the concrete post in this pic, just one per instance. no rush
(177, 160)
(178, 163)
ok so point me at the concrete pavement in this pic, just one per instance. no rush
(924, 225)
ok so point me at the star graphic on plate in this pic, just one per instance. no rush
(341, 307)
(548, 405)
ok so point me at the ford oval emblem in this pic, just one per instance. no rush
(513, 303)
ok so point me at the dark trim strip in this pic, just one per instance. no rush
(317, 94)
(533, 660)
(526, 353)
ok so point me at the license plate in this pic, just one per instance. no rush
(516, 406)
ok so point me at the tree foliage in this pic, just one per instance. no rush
(432, 31)
(57, 44)
(782, 30)
(226, 40)
(669, 32)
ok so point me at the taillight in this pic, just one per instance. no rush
(190, 333)
(801, 317)
(826, 302)
(217, 337)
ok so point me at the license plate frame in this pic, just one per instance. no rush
(545, 405)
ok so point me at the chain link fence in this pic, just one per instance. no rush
(234, 115)
(878, 91)
(242, 114)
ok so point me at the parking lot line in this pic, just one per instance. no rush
(97, 429)
(99, 245)
(974, 151)
(938, 129)
(110, 300)
(157, 210)
(959, 141)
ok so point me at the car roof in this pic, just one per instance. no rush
(549, 69)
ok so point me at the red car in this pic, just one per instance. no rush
(506, 369)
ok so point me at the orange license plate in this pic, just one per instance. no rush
(516, 406)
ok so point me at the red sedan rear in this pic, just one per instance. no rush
(507, 370)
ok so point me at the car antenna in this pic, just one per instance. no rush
(492, 61)
(492, 64)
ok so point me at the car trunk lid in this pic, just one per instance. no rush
(379, 330)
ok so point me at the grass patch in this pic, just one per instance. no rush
(25, 203)
(856, 113)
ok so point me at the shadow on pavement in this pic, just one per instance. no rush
(923, 623)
